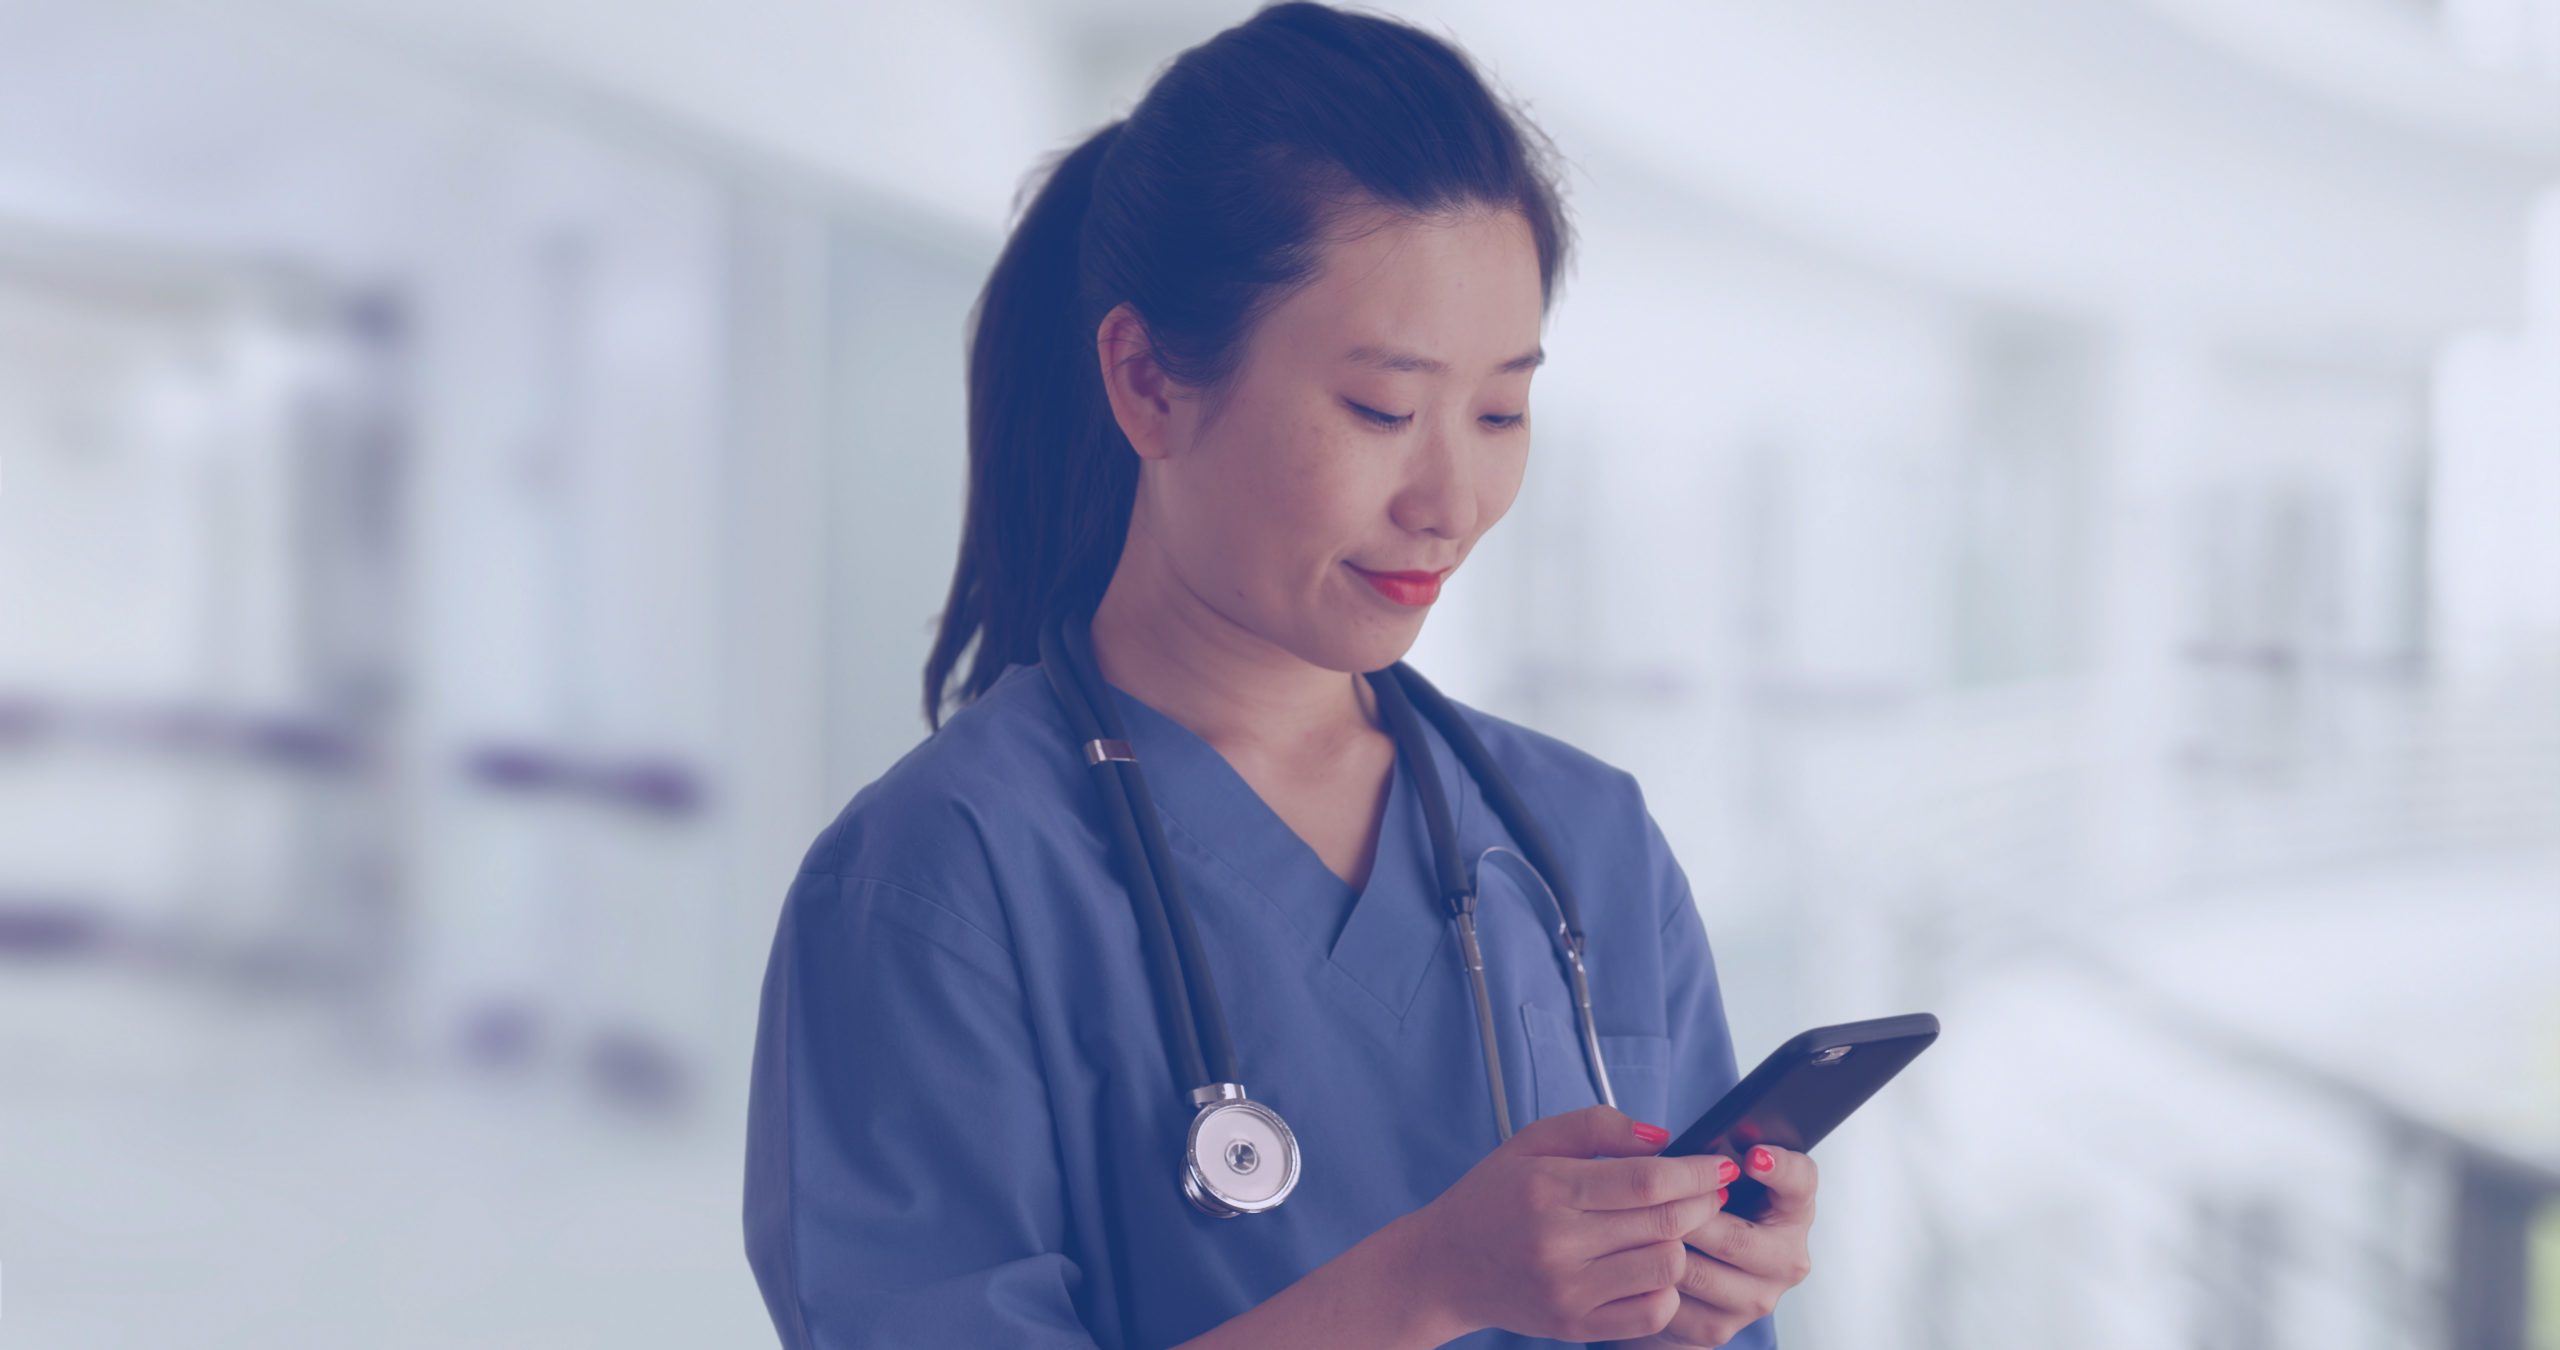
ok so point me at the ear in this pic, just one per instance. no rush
(1142, 395)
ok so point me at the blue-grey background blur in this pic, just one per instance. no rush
(2057, 500)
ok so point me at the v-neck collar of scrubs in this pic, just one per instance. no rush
(1383, 936)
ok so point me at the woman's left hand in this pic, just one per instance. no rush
(1738, 1267)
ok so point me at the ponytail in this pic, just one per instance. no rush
(1051, 477)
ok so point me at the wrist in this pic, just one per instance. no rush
(1405, 1268)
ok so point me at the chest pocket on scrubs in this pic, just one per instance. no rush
(1639, 1067)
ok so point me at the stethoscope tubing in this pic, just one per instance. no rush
(1173, 946)
(1186, 992)
(1497, 788)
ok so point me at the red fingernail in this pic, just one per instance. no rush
(1762, 1160)
(1652, 1134)
(1725, 1170)
(1720, 1190)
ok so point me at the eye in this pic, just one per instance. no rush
(1497, 421)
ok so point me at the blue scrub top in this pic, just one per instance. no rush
(966, 1127)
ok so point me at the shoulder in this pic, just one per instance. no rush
(1546, 766)
(931, 828)
(1592, 811)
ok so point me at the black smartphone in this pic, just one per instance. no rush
(1800, 1092)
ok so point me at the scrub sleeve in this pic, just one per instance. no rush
(903, 1186)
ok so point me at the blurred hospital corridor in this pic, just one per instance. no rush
(2059, 502)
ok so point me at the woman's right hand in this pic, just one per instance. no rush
(1570, 1230)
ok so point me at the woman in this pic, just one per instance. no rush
(1248, 382)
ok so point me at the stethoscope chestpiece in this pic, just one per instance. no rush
(1241, 1158)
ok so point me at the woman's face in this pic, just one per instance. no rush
(1379, 424)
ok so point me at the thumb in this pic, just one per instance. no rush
(1598, 1131)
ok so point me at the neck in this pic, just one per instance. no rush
(1160, 641)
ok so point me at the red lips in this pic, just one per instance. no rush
(1405, 588)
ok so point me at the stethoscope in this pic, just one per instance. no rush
(1240, 1156)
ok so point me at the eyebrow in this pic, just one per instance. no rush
(1384, 359)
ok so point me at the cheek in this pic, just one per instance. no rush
(1262, 515)
(1501, 487)
(1311, 495)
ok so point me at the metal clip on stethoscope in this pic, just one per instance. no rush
(1240, 1156)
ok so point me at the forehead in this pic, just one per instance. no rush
(1460, 289)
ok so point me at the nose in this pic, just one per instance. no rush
(1439, 492)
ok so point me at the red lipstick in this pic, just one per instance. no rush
(1405, 588)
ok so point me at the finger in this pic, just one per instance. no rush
(1712, 1296)
(1753, 1249)
(1703, 1323)
(1791, 1178)
(1632, 1183)
(1715, 1281)
(1598, 1131)
(1636, 1270)
(1618, 1229)
(1633, 1318)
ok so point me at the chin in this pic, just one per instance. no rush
(1360, 647)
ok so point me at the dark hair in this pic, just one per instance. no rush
(1202, 209)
